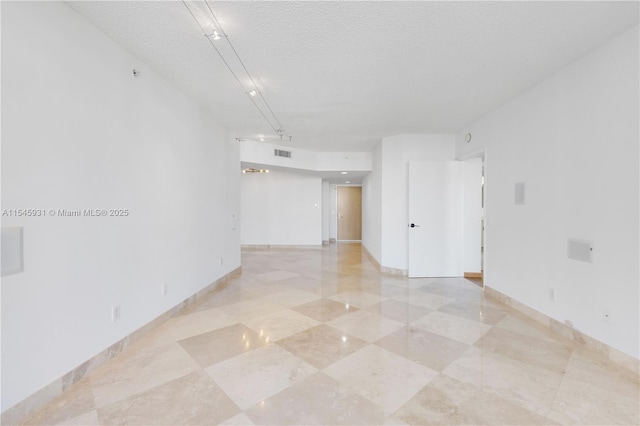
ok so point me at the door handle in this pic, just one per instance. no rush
(413, 225)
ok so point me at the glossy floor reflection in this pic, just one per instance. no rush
(320, 337)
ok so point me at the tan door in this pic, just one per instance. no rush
(349, 213)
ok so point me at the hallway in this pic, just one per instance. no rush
(318, 336)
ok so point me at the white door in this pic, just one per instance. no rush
(435, 206)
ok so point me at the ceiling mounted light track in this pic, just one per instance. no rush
(212, 29)
(214, 35)
(273, 140)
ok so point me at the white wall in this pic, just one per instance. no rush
(326, 211)
(396, 153)
(573, 140)
(263, 153)
(333, 207)
(472, 215)
(372, 206)
(280, 208)
(338, 161)
(80, 132)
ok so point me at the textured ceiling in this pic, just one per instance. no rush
(342, 75)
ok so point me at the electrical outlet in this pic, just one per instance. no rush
(221, 261)
(163, 291)
(552, 294)
(606, 315)
(115, 313)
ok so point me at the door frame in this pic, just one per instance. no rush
(482, 153)
(335, 219)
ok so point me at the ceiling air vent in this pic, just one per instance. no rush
(282, 153)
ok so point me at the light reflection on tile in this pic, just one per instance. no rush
(193, 399)
(87, 419)
(595, 392)
(322, 345)
(325, 309)
(366, 325)
(399, 311)
(246, 310)
(218, 345)
(530, 387)
(423, 347)
(135, 371)
(358, 298)
(388, 290)
(66, 407)
(238, 420)
(453, 327)
(553, 356)
(393, 351)
(382, 377)
(281, 324)
(184, 326)
(292, 297)
(276, 275)
(427, 300)
(259, 374)
(318, 400)
(479, 312)
(581, 404)
(303, 283)
(227, 296)
(394, 421)
(446, 401)
(521, 325)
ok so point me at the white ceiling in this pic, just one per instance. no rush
(342, 75)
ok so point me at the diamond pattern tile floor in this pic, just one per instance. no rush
(310, 336)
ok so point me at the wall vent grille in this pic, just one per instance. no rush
(282, 153)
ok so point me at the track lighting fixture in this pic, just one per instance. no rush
(214, 35)
(203, 15)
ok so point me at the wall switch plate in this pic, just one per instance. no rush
(519, 193)
(115, 313)
(221, 261)
(552, 294)
(164, 289)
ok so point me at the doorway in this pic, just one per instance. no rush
(446, 218)
(474, 217)
(349, 213)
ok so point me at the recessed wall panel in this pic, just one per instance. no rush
(12, 258)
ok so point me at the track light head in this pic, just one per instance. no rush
(214, 35)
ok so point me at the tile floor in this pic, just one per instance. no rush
(320, 337)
